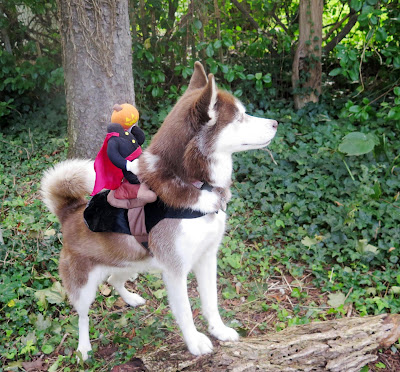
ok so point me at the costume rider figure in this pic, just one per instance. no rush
(121, 146)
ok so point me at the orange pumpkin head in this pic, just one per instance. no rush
(125, 115)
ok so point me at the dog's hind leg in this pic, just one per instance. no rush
(206, 275)
(118, 280)
(82, 300)
(197, 343)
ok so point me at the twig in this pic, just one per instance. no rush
(272, 157)
(284, 277)
(348, 293)
(27, 152)
(62, 341)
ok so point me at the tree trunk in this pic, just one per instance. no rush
(307, 68)
(337, 345)
(97, 64)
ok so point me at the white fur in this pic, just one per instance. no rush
(208, 202)
(212, 112)
(69, 171)
(245, 133)
(151, 160)
(221, 169)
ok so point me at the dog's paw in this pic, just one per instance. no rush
(224, 333)
(83, 352)
(199, 344)
(134, 299)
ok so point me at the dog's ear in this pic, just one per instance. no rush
(199, 77)
(203, 111)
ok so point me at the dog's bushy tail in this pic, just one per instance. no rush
(66, 185)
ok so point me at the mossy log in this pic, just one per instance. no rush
(336, 345)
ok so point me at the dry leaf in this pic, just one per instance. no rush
(36, 365)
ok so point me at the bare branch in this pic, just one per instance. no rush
(342, 34)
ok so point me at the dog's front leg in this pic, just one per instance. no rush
(197, 343)
(206, 275)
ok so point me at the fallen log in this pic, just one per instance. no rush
(336, 345)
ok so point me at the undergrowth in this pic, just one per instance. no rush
(308, 219)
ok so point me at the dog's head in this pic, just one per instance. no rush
(205, 123)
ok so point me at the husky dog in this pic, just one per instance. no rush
(194, 146)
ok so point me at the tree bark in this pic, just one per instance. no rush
(337, 345)
(97, 64)
(307, 68)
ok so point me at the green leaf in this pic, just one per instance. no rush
(197, 24)
(54, 295)
(217, 44)
(230, 76)
(259, 85)
(395, 290)
(308, 242)
(355, 108)
(362, 246)
(42, 323)
(160, 293)
(335, 71)
(356, 4)
(336, 299)
(47, 349)
(381, 34)
(210, 50)
(356, 143)
(267, 78)
(258, 75)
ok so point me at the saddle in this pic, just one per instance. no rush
(100, 216)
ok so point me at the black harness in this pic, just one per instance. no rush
(100, 216)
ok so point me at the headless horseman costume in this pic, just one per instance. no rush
(110, 164)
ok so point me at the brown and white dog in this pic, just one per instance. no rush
(194, 145)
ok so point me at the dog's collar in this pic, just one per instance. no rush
(202, 185)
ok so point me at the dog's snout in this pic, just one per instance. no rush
(274, 124)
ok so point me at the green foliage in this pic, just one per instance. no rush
(345, 230)
(30, 66)
(329, 209)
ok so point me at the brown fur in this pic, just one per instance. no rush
(185, 142)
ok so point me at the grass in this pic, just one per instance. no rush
(305, 242)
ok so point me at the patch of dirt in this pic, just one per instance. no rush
(387, 357)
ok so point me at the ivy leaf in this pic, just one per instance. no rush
(160, 293)
(47, 349)
(336, 299)
(357, 143)
(308, 242)
(395, 289)
(54, 295)
(42, 323)
(362, 246)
